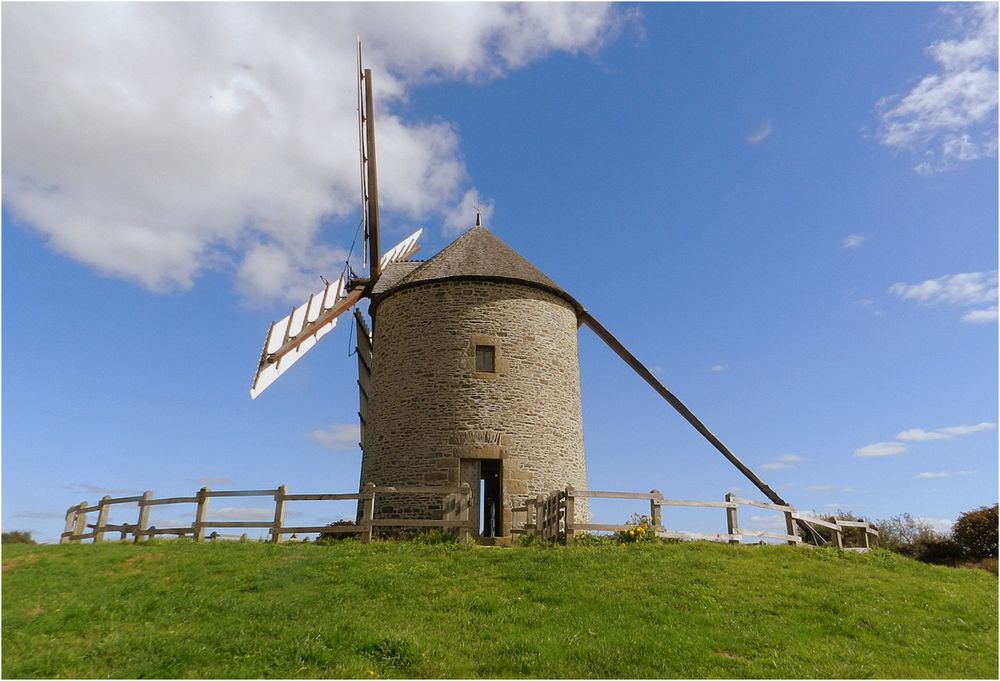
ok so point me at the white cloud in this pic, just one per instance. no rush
(104, 491)
(958, 431)
(950, 116)
(943, 525)
(338, 436)
(930, 475)
(237, 513)
(761, 133)
(783, 461)
(961, 290)
(880, 449)
(40, 515)
(819, 488)
(921, 435)
(719, 368)
(984, 316)
(463, 215)
(853, 241)
(155, 141)
(210, 480)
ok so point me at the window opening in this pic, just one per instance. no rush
(486, 358)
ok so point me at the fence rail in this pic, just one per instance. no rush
(552, 516)
(77, 525)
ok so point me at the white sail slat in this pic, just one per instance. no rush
(303, 338)
(403, 250)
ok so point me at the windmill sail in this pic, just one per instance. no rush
(404, 250)
(297, 333)
(290, 338)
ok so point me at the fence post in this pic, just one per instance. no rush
(530, 516)
(466, 517)
(102, 518)
(199, 516)
(143, 521)
(839, 534)
(70, 523)
(541, 519)
(655, 512)
(790, 527)
(279, 513)
(81, 521)
(570, 515)
(864, 531)
(731, 522)
(368, 512)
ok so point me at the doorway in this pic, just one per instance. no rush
(485, 477)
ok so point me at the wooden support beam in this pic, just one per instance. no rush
(686, 413)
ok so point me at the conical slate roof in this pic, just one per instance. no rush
(477, 254)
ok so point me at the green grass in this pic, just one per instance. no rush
(696, 610)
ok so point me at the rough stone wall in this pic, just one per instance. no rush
(430, 408)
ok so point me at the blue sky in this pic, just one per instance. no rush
(788, 211)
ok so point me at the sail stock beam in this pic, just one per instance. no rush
(688, 415)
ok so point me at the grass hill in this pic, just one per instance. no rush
(694, 610)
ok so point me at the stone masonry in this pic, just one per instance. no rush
(430, 408)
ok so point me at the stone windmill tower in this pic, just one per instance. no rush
(467, 367)
(474, 378)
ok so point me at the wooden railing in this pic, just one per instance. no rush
(552, 516)
(77, 525)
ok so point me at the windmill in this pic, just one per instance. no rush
(467, 366)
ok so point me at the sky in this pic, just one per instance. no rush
(787, 211)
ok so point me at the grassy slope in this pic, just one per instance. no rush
(177, 609)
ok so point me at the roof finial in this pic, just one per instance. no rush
(479, 215)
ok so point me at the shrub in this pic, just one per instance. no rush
(640, 528)
(588, 539)
(975, 532)
(330, 537)
(435, 536)
(17, 537)
(907, 535)
(532, 540)
(943, 551)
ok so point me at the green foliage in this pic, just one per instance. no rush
(17, 537)
(400, 609)
(531, 540)
(435, 536)
(907, 535)
(975, 532)
(334, 537)
(588, 539)
(640, 529)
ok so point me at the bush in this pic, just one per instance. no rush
(17, 537)
(908, 536)
(531, 540)
(641, 528)
(940, 552)
(330, 537)
(975, 532)
(435, 536)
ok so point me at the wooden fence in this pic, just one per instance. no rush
(552, 516)
(456, 503)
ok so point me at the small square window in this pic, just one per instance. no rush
(486, 358)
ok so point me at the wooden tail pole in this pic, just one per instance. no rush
(688, 415)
